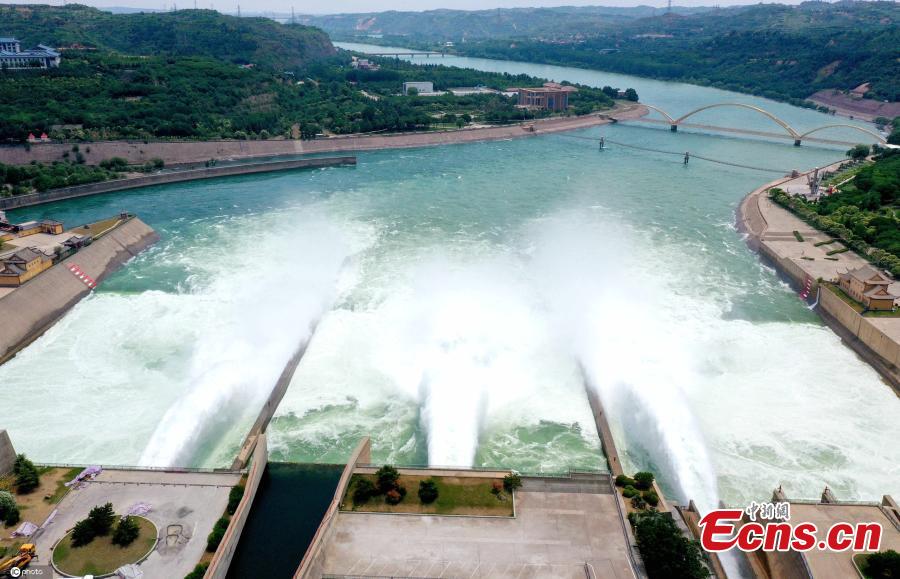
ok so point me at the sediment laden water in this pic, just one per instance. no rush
(462, 294)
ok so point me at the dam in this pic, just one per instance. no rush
(452, 301)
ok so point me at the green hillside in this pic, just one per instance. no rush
(779, 51)
(203, 33)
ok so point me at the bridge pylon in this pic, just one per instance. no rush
(673, 128)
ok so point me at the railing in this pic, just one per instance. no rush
(176, 469)
(549, 474)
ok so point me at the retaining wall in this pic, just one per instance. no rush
(32, 308)
(139, 152)
(861, 327)
(218, 567)
(7, 453)
(313, 564)
(17, 201)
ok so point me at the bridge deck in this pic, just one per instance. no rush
(742, 131)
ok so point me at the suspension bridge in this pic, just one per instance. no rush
(788, 133)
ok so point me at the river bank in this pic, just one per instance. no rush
(33, 308)
(139, 152)
(770, 231)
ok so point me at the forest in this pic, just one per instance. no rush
(99, 94)
(865, 214)
(778, 51)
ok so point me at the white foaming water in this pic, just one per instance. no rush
(187, 370)
(618, 321)
(263, 303)
(464, 339)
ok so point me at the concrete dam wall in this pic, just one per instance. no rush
(31, 309)
(171, 177)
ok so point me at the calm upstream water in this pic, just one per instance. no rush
(452, 296)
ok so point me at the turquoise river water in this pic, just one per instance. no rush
(452, 296)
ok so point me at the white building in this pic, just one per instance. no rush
(422, 87)
(12, 57)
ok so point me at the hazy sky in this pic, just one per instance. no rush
(336, 6)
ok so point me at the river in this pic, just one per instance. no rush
(452, 296)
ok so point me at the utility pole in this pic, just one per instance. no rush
(293, 21)
(669, 10)
(239, 10)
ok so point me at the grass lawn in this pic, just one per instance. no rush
(100, 556)
(456, 496)
(97, 227)
(858, 307)
(37, 505)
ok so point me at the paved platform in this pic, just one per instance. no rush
(185, 506)
(554, 534)
(837, 564)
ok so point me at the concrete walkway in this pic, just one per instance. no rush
(554, 534)
(185, 506)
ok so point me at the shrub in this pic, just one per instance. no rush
(883, 565)
(643, 480)
(496, 487)
(234, 498)
(665, 551)
(387, 477)
(101, 519)
(651, 497)
(638, 502)
(12, 516)
(395, 495)
(624, 481)
(629, 492)
(83, 533)
(428, 492)
(114, 163)
(363, 491)
(9, 511)
(511, 482)
(797, 235)
(27, 477)
(157, 163)
(198, 572)
(215, 536)
(127, 531)
(837, 251)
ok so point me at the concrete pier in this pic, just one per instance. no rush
(163, 178)
(34, 307)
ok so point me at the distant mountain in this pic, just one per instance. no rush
(455, 25)
(206, 33)
(780, 51)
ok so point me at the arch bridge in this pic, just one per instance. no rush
(790, 132)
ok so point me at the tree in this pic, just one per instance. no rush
(412, 91)
(643, 480)
(83, 533)
(9, 511)
(665, 551)
(27, 477)
(363, 491)
(511, 482)
(631, 94)
(859, 152)
(883, 565)
(428, 491)
(101, 519)
(127, 531)
(387, 477)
